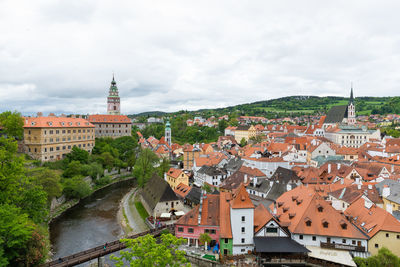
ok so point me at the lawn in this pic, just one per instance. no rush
(142, 211)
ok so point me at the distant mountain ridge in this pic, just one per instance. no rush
(291, 105)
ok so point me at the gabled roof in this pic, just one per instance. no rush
(157, 190)
(336, 114)
(55, 122)
(284, 175)
(174, 173)
(241, 199)
(182, 190)
(225, 230)
(372, 220)
(261, 217)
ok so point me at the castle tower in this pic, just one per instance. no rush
(351, 109)
(168, 133)
(113, 101)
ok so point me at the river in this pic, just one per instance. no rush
(90, 223)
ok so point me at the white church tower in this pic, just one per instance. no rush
(351, 110)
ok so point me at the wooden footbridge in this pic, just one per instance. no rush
(97, 252)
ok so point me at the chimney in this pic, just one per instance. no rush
(338, 166)
(329, 168)
(392, 169)
(274, 211)
(341, 181)
(359, 187)
(245, 178)
(398, 157)
(370, 186)
(165, 176)
(385, 191)
(255, 181)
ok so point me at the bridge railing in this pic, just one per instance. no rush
(99, 251)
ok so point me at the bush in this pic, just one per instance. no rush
(76, 187)
(103, 180)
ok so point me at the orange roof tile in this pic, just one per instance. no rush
(53, 122)
(241, 199)
(225, 230)
(174, 172)
(109, 119)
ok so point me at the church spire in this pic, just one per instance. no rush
(351, 94)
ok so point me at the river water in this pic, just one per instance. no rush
(91, 223)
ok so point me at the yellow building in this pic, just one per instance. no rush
(176, 176)
(51, 138)
(245, 132)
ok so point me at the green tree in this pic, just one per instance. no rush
(384, 258)
(204, 237)
(12, 123)
(207, 188)
(164, 167)
(15, 231)
(79, 155)
(222, 124)
(243, 142)
(107, 159)
(50, 181)
(146, 251)
(144, 166)
(33, 201)
(95, 169)
(74, 168)
(76, 187)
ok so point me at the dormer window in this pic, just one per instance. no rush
(70, 123)
(343, 224)
(299, 201)
(78, 123)
(62, 123)
(308, 222)
(325, 224)
(50, 123)
(294, 198)
(33, 123)
(291, 215)
(285, 209)
(320, 208)
(280, 204)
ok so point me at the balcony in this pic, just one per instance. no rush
(342, 247)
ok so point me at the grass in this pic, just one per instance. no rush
(141, 210)
(128, 227)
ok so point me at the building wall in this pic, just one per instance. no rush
(197, 231)
(226, 245)
(113, 130)
(271, 224)
(240, 247)
(267, 167)
(308, 240)
(54, 143)
(386, 239)
(393, 205)
(166, 206)
(174, 182)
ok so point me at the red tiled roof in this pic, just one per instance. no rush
(109, 119)
(241, 199)
(52, 122)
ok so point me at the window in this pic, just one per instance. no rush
(376, 245)
(301, 237)
(213, 231)
(272, 230)
(314, 238)
(226, 240)
(243, 240)
(344, 241)
(243, 218)
(387, 234)
(180, 229)
(206, 231)
(243, 229)
(190, 230)
(398, 236)
(243, 250)
(353, 242)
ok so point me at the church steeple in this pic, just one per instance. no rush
(351, 94)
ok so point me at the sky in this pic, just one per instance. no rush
(59, 56)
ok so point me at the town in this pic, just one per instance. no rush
(320, 190)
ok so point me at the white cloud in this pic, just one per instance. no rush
(58, 56)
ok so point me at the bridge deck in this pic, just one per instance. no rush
(99, 251)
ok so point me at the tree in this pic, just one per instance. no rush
(243, 142)
(15, 231)
(222, 124)
(79, 155)
(144, 166)
(147, 251)
(204, 237)
(33, 201)
(12, 123)
(50, 182)
(74, 168)
(384, 258)
(164, 167)
(76, 187)
(207, 188)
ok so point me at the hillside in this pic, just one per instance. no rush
(297, 105)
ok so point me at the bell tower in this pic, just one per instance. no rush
(113, 101)
(351, 109)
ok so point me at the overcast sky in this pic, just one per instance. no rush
(59, 56)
